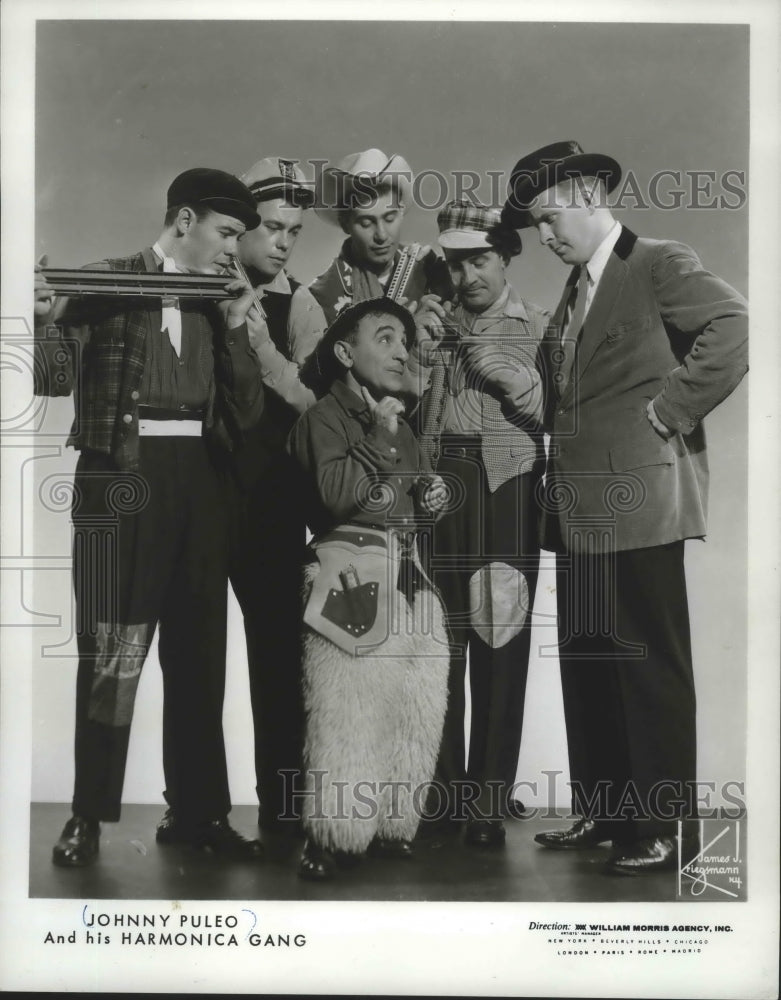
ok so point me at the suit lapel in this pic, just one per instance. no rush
(605, 298)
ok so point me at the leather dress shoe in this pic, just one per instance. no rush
(384, 847)
(485, 833)
(651, 854)
(584, 833)
(79, 843)
(216, 837)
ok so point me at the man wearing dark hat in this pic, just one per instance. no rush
(375, 650)
(269, 531)
(366, 195)
(644, 343)
(476, 369)
(163, 391)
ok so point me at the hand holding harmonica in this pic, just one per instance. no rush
(433, 320)
(43, 295)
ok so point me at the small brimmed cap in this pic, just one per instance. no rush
(347, 183)
(217, 190)
(279, 177)
(548, 166)
(322, 366)
(465, 226)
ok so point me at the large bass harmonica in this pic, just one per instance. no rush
(78, 281)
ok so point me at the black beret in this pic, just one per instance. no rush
(217, 190)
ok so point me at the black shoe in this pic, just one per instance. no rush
(584, 833)
(651, 854)
(79, 843)
(384, 847)
(485, 833)
(216, 837)
(316, 864)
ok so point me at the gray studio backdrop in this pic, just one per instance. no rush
(122, 107)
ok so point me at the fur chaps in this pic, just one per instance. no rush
(373, 726)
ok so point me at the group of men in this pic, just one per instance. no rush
(187, 407)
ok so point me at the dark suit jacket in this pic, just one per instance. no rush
(660, 328)
(97, 350)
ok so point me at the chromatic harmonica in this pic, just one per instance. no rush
(78, 281)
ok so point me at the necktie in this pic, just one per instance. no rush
(172, 318)
(572, 329)
(578, 313)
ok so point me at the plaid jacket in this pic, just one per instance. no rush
(97, 350)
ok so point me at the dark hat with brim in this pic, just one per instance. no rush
(322, 366)
(215, 189)
(548, 166)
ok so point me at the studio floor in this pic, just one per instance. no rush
(132, 865)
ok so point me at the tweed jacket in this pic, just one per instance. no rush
(97, 349)
(660, 328)
(509, 391)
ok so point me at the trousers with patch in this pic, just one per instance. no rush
(150, 550)
(485, 561)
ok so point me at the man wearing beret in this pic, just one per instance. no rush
(269, 531)
(365, 195)
(475, 364)
(644, 343)
(164, 390)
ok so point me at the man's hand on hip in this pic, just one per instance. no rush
(656, 423)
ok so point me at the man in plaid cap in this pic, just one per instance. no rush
(164, 390)
(269, 527)
(365, 195)
(475, 369)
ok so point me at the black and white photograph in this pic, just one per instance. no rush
(390, 591)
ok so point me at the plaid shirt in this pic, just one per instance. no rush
(97, 350)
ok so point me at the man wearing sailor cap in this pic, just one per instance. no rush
(269, 527)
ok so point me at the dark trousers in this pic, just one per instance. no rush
(150, 548)
(628, 687)
(498, 529)
(267, 554)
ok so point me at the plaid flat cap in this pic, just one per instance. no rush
(466, 226)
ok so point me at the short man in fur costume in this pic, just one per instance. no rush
(480, 422)
(269, 532)
(375, 651)
(365, 195)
